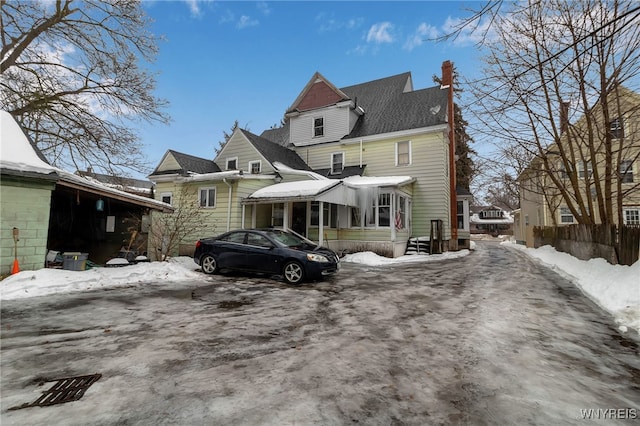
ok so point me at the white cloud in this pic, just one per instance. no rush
(423, 33)
(194, 7)
(328, 24)
(470, 34)
(380, 33)
(263, 7)
(246, 21)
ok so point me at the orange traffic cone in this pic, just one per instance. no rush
(15, 268)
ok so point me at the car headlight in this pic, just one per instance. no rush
(317, 258)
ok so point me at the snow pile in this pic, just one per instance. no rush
(372, 259)
(51, 281)
(615, 288)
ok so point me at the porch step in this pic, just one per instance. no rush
(418, 245)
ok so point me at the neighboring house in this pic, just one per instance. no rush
(56, 210)
(490, 220)
(364, 167)
(140, 187)
(540, 207)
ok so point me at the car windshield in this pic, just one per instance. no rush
(287, 239)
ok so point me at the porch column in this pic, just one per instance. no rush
(254, 220)
(392, 217)
(320, 223)
(285, 216)
(243, 215)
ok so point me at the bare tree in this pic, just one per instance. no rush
(556, 81)
(71, 75)
(169, 230)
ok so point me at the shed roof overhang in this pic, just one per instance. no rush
(326, 190)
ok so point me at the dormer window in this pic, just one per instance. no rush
(232, 163)
(337, 163)
(255, 167)
(318, 127)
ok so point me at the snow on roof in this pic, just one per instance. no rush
(16, 152)
(306, 188)
(359, 181)
(475, 218)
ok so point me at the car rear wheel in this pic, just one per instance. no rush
(209, 264)
(293, 272)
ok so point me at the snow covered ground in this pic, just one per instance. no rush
(615, 288)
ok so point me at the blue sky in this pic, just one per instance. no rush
(248, 61)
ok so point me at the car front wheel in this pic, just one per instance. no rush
(209, 264)
(293, 272)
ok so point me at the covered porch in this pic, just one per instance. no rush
(348, 215)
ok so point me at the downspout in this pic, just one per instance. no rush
(361, 153)
(228, 204)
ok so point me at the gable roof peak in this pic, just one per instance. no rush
(317, 93)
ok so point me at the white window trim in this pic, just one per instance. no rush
(573, 219)
(628, 171)
(624, 216)
(251, 163)
(410, 157)
(231, 159)
(313, 126)
(333, 172)
(208, 188)
(167, 194)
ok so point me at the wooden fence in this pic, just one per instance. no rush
(617, 246)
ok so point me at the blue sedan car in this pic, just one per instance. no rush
(271, 251)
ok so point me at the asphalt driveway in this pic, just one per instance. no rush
(490, 338)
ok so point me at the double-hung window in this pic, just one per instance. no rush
(232, 163)
(626, 171)
(616, 128)
(585, 170)
(208, 197)
(460, 214)
(255, 167)
(632, 216)
(401, 213)
(403, 153)
(337, 163)
(329, 214)
(379, 214)
(565, 215)
(318, 127)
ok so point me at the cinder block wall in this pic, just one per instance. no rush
(25, 206)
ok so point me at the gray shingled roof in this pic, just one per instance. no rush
(346, 172)
(279, 135)
(387, 108)
(189, 164)
(273, 152)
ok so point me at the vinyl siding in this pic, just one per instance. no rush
(430, 199)
(238, 146)
(169, 163)
(336, 126)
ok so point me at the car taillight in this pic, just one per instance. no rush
(198, 244)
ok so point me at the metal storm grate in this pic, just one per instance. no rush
(64, 390)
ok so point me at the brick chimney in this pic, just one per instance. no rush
(447, 84)
(447, 75)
